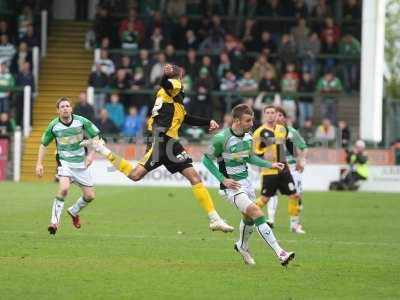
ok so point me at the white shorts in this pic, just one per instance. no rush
(246, 188)
(81, 176)
(297, 178)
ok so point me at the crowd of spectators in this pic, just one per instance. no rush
(17, 38)
(265, 61)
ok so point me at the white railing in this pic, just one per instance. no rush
(96, 56)
(17, 154)
(36, 66)
(27, 111)
(90, 95)
(43, 28)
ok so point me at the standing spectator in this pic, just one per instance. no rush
(344, 134)
(306, 103)
(308, 52)
(180, 31)
(307, 132)
(247, 83)
(330, 29)
(329, 47)
(213, 43)
(289, 86)
(286, 50)
(30, 37)
(7, 50)
(107, 65)
(249, 35)
(300, 32)
(191, 41)
(190, 64)
(7, 125)
(330, 86)
(99, 80)
(105, 125)
(6, 81)
(23, 55)
(157, 71)
(24, 77)
(134, 121)
(229, 84)
(260, 67)
(83, 108)
(349, 46)
(325, 134)
(116, 111)
(24, 19)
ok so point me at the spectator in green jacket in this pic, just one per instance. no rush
(6, 81)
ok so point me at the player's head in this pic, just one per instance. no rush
(173, 71)
(281, 115)
(64, 107)
(242, 116)
(270, 114)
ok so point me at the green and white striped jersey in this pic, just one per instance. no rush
(68, 138)
(233, 152)
(294, 139)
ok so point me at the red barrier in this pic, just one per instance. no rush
(3, 158)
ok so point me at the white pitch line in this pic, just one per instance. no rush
(192, 238)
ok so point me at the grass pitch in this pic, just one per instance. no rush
(153, 243)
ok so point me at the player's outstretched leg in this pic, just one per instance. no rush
(271, 210)
(253, 211)
(58, 205)
(246, 228)
(294, 214)
(74, 210)
(203, 196)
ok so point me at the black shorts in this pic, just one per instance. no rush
(168, 152)
(282, 182)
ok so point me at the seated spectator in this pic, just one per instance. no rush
(307, 131)
(224, 65)
(130, 37)
(260, 67)
(125, 64)
(232, 43)
(191, 41)
(105, 125)
(247, 83)
(306, 103)
(116, 111)
(6, 81)
(138, 81)
(329, 47)
(268, 84)
(330, 29)
(190, 64)
(206, 62)
(266, 42)
(23, 56)
(229, 84)
(30, 37)
(156, 41)
(325, 134)
(344, 134)
(107, 65)
(170, 54)
(7, 126)
(83, 108)
(349, 46)
(249, 35)
(329, 86)
(134, 122)
(132, 20)
(120, 80)
(157, 71)
(300, 32)
(7, 50)
(213, 43)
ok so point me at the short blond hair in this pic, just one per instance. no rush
(62, 99)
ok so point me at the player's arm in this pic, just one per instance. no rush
(262, 163)
(215, 151)
(302, 150)
(47, 137)
(93, 132)
(198, 121)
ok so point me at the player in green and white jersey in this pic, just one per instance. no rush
(68, 131)
(296, 151)
(233, 148)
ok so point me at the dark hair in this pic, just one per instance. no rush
(269, 106)
(281, 110)
(176, 71)
(241, 109)
(62, 99)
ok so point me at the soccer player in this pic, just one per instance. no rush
(270, 140)
(233, 147)
(68, 130)
(294, 143)
(168, 114)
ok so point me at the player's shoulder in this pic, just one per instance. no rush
(258, 131)
(81, 119)
(53, 122)
(176, 83)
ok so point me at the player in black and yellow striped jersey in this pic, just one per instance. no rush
(167, 117)
(270, 143)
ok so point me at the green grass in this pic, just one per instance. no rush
(129, 248)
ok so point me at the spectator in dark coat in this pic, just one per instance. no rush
(83, 108)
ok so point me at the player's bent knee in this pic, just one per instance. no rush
(63, 192)
(244, 204)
